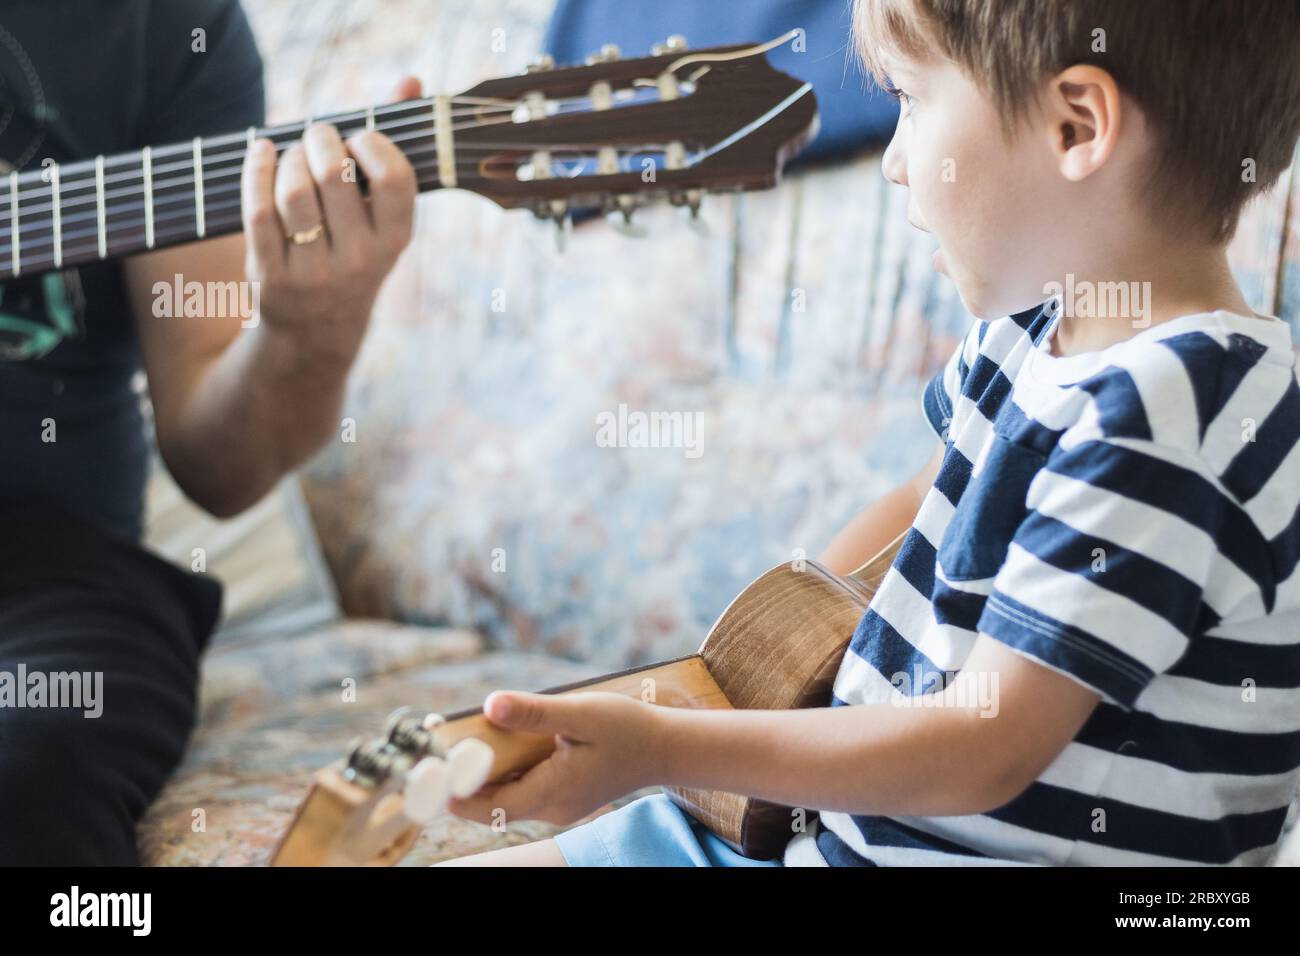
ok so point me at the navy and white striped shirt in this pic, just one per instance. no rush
(1130, 518)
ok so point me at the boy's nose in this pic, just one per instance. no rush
(894, 163)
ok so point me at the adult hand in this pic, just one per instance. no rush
(317, 248)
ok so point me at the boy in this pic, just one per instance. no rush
(1108, 535)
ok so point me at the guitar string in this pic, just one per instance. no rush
(290, 134)
(39, 247)
(213, 172)
(294, 131)
(40, 235)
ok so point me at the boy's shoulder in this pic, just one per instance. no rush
(1220, 387)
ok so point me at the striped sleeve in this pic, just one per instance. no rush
(1103, 578)
(940, 397)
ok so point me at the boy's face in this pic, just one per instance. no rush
(995, 206)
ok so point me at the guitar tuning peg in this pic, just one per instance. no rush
(469, 764)
(555, 211)
(426, 790)
(563, 228)
(619, 213)
(608, 54)
(698, 224)
(672, 44)
(621, 222)
(689, 202)
(541, 64)
(432, 720)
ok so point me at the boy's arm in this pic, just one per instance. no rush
(1003, 720)
(881, 522)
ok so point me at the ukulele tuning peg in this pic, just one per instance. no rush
(541, 64)
(426, 790)
(671, 45)
(469, 764)
(607, 54)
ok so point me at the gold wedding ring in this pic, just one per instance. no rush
(308, 235)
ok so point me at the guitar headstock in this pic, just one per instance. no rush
(610, 134)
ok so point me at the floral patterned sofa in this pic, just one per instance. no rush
(475, 534)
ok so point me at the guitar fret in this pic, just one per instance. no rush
(444, 141)
(58, 216)
(200, 220)
(148, 197)
(99, 207)
(13, 225)
(370, 117)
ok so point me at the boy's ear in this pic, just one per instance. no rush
(1083, 113)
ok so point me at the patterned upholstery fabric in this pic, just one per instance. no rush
(800, 332)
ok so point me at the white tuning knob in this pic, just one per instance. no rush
(469, 762)
(432, 720)
(427, 789)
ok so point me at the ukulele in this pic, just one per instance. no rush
(777, 646)
(608, 135)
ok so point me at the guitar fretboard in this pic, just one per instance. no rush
(63, 215)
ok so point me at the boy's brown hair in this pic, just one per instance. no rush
(1217, 80)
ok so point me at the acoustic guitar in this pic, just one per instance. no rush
(777, 646)
(608, 135)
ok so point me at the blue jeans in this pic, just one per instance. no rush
(650, 831)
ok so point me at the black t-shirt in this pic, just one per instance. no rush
(79, 78)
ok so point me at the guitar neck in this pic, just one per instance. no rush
(70, 214)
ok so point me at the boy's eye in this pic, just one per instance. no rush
(900, 95)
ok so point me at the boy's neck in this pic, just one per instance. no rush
(1166, 282)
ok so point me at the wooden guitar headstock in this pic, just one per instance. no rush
(614, 132)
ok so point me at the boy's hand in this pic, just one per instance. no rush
(607, 745)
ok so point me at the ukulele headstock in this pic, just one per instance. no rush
(369, 808)
(614, 132)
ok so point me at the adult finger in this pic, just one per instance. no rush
(334, 172)
(262, 225)
(392, 186)
(295, 194)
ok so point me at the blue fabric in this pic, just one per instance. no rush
(854, 112)
(651, 831)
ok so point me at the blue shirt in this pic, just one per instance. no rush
(1129, 518)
